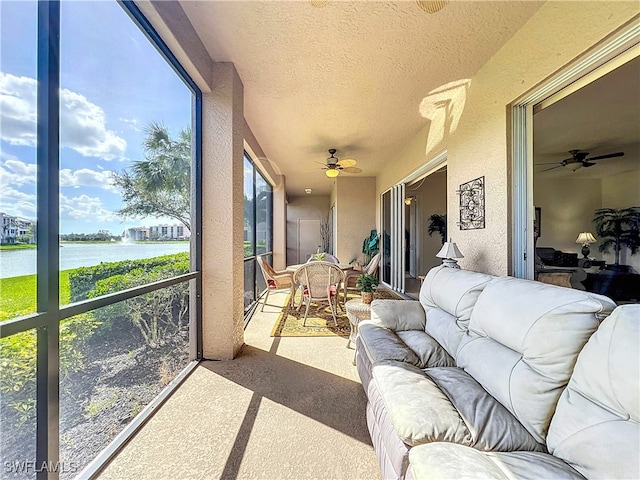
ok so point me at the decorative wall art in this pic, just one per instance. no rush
(472, 204)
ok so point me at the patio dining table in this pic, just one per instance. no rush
(342, 266)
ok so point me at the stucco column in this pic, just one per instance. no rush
(222, 215)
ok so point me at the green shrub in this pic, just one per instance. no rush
(157, 315)
(84, 279)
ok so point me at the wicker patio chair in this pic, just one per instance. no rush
(276, 280)
(352, 275)
(320, 283)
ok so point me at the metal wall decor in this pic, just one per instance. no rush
(472, 204)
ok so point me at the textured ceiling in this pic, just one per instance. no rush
(601, 118)
(349, 75)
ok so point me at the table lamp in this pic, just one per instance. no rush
(449, 252)
(585, 238)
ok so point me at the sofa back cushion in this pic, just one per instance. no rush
(595, 428)
(523, 341)
(448, 296)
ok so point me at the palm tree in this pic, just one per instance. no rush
(159, 185)
(618, 228)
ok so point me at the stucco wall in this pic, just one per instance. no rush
(355, 201)
(476, 137)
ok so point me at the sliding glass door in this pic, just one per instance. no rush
(393, 237)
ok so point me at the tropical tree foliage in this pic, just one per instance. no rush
(618, 228)
(159, 185)
(438, 224)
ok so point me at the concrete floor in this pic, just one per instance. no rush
(286, 408)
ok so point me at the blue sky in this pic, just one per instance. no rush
(113, 84)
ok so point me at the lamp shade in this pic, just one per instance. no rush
(449, 250)
(332, 172)
(585, 238)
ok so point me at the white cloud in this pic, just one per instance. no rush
(85, 207)
(14, 173)
(82, 123)
(86, 177)
(17, 203)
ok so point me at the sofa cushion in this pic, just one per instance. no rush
(398, 314)
(523, 341)
(382, 344)
(417, 408)
(595, 428)
(440, 461)
(448, 296)
(492, 426)
(445, 404)
(430, 353)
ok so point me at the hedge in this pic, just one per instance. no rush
(84, 279)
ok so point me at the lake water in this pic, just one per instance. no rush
(72, 255)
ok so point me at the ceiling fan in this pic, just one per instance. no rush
(334, 165)
(579, 159)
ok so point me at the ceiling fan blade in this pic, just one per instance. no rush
(587, 164)
(347, 162)
(557, 166)
(602, 157)
(352, 170)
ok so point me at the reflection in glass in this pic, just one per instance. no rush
(249, 210)
(249, 282)
(119, 358)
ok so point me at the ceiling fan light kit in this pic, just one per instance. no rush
(334, 165)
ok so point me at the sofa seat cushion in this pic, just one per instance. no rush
(492, 426)
(450, 461)
(446, 404)
(419, 411)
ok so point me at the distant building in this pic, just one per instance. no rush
(14, 229)
(136, 234)
(169, 232)
(157, 232)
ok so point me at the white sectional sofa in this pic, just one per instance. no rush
(466, 381)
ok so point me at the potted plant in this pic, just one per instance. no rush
(438, 224)
(618, 228)
(371, 245)
(366, 281)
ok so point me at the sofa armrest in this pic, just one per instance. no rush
(398, 315)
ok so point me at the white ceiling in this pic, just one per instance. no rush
(350, 75)
(601, 118)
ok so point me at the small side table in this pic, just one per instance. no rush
(356, 311)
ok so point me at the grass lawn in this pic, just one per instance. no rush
(18, 295)
(17, 246)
